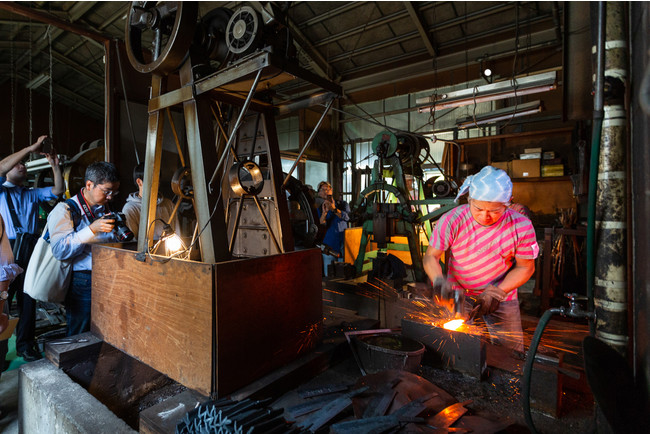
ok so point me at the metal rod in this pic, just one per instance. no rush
(257, 124)
(308, 142)
(266, 223)
(233, 133)
(236, 226)
(178, 143)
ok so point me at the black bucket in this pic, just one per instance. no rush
(385, 351)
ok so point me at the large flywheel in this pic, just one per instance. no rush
(159, 34)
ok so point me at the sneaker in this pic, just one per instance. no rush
(29, 355)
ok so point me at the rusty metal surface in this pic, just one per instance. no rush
(449, 349)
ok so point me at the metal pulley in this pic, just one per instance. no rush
(244, 30)
(246, 178)
(182, 183)
(384, 144)
(167, 28)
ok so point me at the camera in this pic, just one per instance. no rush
(120, 229)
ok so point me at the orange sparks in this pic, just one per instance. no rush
(453, 324)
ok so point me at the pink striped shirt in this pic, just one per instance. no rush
(482, 255)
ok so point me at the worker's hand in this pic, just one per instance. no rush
(36, 147)
(52, 158)
(488, 300)
(441, 287)
(102, 225)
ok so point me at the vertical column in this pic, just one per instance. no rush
(610, 280)
(153, 154)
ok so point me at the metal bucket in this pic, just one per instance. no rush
(386, 351)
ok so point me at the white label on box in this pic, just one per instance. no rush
(525, 174)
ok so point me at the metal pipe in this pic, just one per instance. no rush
(595, 152)
(610, 285)
(308, 142)
(178, 143)
(233, 133)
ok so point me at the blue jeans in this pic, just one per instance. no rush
(504, 325)
(77, 303)
(327, 260)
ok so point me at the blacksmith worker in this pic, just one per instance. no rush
(72, 233)
(19, 209)
(491, 253)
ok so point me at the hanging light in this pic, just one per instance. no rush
(500, 115)
(490, 92)
(173, 243)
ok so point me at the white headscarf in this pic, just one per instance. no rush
(489, 185)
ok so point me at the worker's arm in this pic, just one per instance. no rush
(9, 162)
(4, 319)
(431, 263)
(59, 185)
(518, 275)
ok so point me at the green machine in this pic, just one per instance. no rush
(385, 208)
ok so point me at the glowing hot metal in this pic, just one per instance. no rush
(453, 324)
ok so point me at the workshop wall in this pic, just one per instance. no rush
(71, 128)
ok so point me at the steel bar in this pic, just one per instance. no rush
(308, 142)
(233, 133)
(267, 224)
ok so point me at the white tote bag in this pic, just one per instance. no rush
(47, 278)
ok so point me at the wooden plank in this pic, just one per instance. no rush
(159, 313)
(269, 311)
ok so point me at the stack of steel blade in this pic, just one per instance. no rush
(236, 417)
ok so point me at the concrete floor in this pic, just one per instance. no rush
(9, 402)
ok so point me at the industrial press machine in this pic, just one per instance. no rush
(242, 311)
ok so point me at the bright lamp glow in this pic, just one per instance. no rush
(173, 243)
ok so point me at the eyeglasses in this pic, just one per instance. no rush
(108, 193)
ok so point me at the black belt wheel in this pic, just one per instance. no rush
(167, 28)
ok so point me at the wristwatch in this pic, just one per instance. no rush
(4, 295)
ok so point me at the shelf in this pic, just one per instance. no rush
(542, 179)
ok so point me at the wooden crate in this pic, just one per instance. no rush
(212, 327)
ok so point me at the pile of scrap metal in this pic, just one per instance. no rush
(389, 401)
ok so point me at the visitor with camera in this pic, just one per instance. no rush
(72, 233)
(333, 217)
(19, 209)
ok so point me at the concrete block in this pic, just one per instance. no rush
(50, 402)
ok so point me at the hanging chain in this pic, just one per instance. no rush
(13, 96)
(49, 40)
(30, 79)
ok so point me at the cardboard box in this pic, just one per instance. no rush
(526, 168)
(533, 150)
(553, 170)
(503, 165)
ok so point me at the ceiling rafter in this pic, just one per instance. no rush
(426, 37)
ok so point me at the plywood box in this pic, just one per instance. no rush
(214, 328)
(526, 168)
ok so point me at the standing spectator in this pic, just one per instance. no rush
(334, 216)
(19, 209)
(133, 207)
(72, 233)
(8, 272)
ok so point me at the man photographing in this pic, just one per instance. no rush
(491, 252)
(19, 210)
(73, 230)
